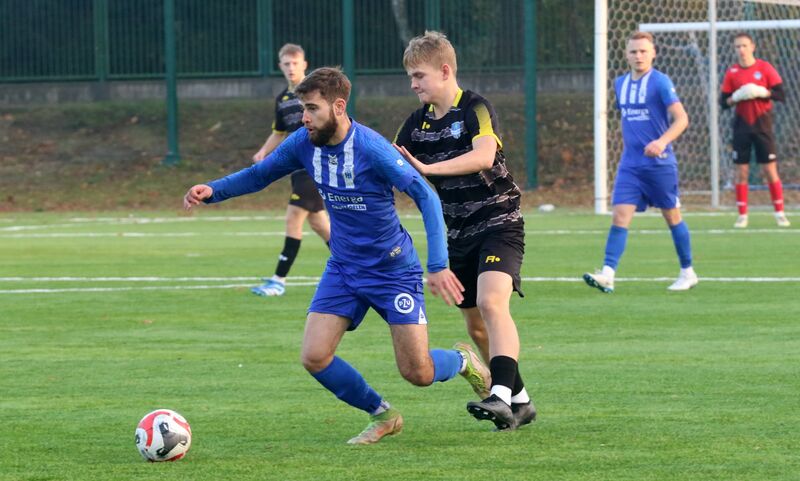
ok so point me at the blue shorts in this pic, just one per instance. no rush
(644, 186)
(396, 296)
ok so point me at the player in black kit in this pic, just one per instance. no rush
(305, 202)
(452, 141)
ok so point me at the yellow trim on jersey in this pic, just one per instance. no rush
(455, 102)
(276, 130)
(458, 98)
(485, 124)
(397, 134)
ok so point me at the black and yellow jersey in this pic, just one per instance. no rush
(288, 113)
(472, 204)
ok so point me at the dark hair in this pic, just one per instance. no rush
(744, 35)
(330, 82)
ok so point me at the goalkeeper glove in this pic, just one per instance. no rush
(750, 91)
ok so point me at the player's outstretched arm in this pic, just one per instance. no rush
(481, 157)
(196, 195)
(441, 280)
(446, 285)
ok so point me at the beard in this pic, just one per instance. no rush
(322, 135)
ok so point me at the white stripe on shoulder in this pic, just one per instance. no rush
(623, 91)
(632, 92)
(643, 87)
(348, 170)
(317, 163)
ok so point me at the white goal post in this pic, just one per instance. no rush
(690, 54)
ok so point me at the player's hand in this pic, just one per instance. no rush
(446, 285)
(760, 92)
(655, 148)
(259, 156)
(196, 195)
(421, 168)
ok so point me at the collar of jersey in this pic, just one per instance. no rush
(455, 101)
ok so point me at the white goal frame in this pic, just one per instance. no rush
(601, 194)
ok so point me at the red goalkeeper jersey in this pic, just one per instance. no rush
(753, 112)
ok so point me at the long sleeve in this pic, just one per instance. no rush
(429, 205)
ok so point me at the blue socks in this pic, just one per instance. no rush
(446, 364)
(683, 245)
(615, 245)
(348, 385)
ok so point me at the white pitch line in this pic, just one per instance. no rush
(314, 283)
(148, 288)
(78, 221)
(145, 279)
(552, 232)
(112, 221)
(55, 235)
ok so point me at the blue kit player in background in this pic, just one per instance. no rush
(648, 171)
(373, 262)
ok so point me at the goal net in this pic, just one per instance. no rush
(682, 33)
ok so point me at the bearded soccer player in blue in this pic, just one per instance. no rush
(648, 171)
(373, 263)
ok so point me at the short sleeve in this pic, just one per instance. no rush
(773, 77)
(278, 125)
(481, 121)
(403, 135)
(666, 90)
(727, 82)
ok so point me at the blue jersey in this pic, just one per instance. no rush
(643, 104)
(355, 179)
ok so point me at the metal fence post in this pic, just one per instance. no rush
(266, 50)
(531, 144)
(433, 15)
(349, 54)
(100, 17)
(173, 156)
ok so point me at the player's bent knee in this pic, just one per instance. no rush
(417, 377)
(491, 304)
(314, 363)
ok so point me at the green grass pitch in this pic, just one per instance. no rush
(105, 317)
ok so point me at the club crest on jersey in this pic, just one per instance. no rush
(757, 75)
(404, 303)
(455, 129)
(332, 159)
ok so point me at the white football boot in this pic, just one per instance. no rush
(686, 280)
(601, 280)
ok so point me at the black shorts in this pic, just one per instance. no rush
(304, 192)
(500, 250)
(763, 142)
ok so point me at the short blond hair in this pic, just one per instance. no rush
(638, 35)
(432, 49)
(291, 49)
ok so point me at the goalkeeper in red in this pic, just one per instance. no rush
(751, 85)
